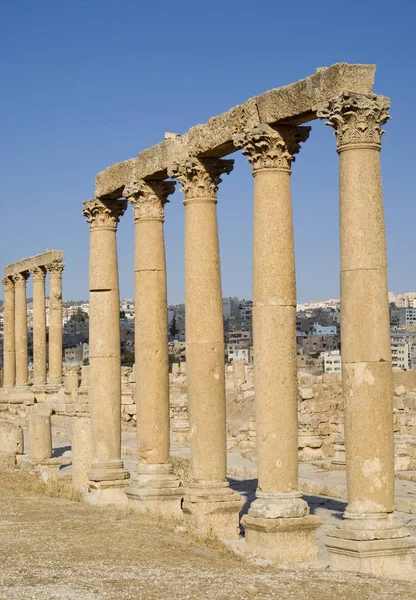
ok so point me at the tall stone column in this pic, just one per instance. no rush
(107, 475)
(278, 525)
(39, 326)
(209, 501)
(9, 348)
(55, 270)
(153, 487)
(369, 539)
(22, 375)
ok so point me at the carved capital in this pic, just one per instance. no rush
(357, 119)
(200, 177)
(148, 198)
(104, 214)
(271, 147)
(55, 268)
(8, 283)
(20, 278)
(38, 273)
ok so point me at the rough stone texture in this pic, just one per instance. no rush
(40, 433)
(81, 452)
(38, 260)
(11, 440)
(291, 103)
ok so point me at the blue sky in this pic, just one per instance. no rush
(89, 83)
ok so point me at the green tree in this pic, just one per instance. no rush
(79, 316)
(173, 330)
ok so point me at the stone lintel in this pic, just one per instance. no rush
(293, 104)
(38, 260)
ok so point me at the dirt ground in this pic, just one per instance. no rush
(54, 548)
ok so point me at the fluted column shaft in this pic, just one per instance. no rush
(365, 327)
(151, 326)
(104, 340)
(39, 326)
(270, 151)
(55, 321)
(204, 320)
(9, 348)
(22, 376)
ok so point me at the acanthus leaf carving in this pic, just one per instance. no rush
(20, 278)
(55, 268)
(200, 177)
(8, 283)
(271, 147)
(356, 118)
(148, 198)
(104, 214)
(38, 273)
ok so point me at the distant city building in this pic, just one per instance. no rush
(332, 361)
(318, 329)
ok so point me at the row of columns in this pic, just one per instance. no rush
(15, 327)
(278, 524)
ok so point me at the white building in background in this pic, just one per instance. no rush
(332, 361)
(230, 307)
(238, 352)
(400, 354)
(318, 329)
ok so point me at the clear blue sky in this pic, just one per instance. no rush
(89, 83)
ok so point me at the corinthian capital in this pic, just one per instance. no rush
(200, 177)
(20, 278)
(104, 214)
(8, 283)
(55, 268)
(148, 198)
(271, 147)
(357, 119)
(38, 273)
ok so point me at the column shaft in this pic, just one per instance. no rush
(55, 321)
(9, 348)
(205, 349)
(274, 332)
(370, 539)
(22, 376)
(39, 326)
(365, 334)
(104, 340)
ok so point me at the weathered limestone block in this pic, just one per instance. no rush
(306, 393)
(40, 433)
(71, 381)
(11, 443)
(81, 452)
(239, 373)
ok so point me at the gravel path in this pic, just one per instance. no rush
(53, 548)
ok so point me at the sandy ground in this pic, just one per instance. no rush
(54, 548)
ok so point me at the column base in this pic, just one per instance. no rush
(287, 539)
(373, 545)
(213, 509)
(21, 394)
(107, 492)
(155, 489)
(108, 481)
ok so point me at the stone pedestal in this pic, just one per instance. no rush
(107, 475)
(9, 349)
(369, 539)
(209, 502)
(71, 380)
(278, 517)
(40, 433)
(154, 487)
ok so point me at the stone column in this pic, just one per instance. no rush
(40, 433)
(107, 475)
(278, 525)
(39, 326)
(9, 348)
(22, 375)
(369, 539)
(209, 501)
(55, 321)
(153, 487)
